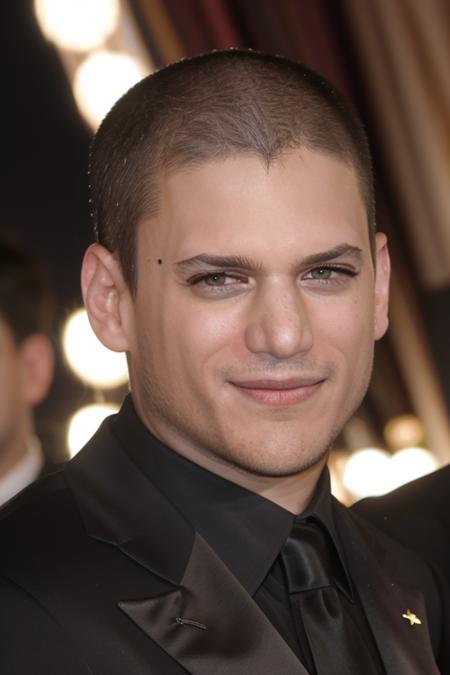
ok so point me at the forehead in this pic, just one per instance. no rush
(303, 199)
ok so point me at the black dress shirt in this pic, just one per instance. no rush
(245, 530)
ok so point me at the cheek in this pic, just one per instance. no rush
(347, 328)
(205, 332)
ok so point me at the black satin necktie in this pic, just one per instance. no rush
(315, 578)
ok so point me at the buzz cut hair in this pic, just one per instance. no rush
(210, 107)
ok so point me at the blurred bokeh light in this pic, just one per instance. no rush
(404, 431)
(372, 471)
(85, 422)
(93, 363)
(101, 79)
(77, 25)
(367, 472)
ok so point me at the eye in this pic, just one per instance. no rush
(330, 274)
(217, 279)
(322, 273)
(215, 283)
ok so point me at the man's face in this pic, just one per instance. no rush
(252, 330)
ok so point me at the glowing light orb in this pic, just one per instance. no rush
(366, 472)
(101, 79)
(78, 25)
(371, 471)
(89, 359)
(85, 422)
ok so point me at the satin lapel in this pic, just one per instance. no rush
(405, 649)
(119, 505)
(211, 626)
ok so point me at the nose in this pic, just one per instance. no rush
(278, 322)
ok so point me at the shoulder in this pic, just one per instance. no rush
(41, 496)
(46, 513)
(34, 525)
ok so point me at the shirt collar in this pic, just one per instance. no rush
(246, 530)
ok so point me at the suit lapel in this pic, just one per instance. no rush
(405, 649)
(120, 506)
(211, 625)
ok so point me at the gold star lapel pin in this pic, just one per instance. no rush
(412, 618)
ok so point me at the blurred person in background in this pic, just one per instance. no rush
(26, 365)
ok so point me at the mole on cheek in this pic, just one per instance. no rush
(159, 261)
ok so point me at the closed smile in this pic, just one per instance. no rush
(275, 392)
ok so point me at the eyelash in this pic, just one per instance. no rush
(198, 278)
(346, 271)
(204, 278)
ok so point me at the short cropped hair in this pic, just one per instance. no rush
(210, 107)
(26, 301)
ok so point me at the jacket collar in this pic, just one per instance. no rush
(120, 506)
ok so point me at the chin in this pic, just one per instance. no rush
(279, 464)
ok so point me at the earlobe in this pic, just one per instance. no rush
(383, 272)
(106, 297)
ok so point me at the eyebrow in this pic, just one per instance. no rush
(337, 252)
(218, 262)
(242, 262)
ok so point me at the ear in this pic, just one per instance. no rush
(106, 297)
(382, 276)
(37, 365)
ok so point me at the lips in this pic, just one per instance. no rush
(289, 391)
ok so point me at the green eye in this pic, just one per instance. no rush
(223, 282)
(322, 273)
(216, 279)
(330, 275)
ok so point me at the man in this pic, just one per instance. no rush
(26, 365)
(238, 267)
(417, 515)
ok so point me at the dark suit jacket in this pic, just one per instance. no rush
(100, 575)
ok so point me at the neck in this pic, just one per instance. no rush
(293, 492)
